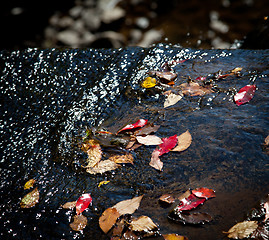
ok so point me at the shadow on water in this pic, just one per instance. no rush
(50, 97)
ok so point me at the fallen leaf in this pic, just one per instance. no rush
(149, 140)
(126, 158)
(108, 219)
(266, 141)
(143, 223)
(168, 76)
(79, 223)
(172, 99)
(83, 203)
(139, 123)
(242, 230)
(29, 184)
(173, 236)
(245, 94)
(30, 199)
(155, 161)
(261, 233)
(189, 203)
(184, 141)
(102, 166)
(128, 206)
(236, 70)
(194, 89)
(204, 193)
(94, 151)
(103, 183)
(147, 129)
(167, 198)
(168, 144)
(191, 218)
(69, 205)
(184, 195)
(118, 229)
(149, 82)
(266, 207)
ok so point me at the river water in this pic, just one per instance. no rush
(50, 96)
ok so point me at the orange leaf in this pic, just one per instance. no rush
(108, 219)
(174, 236)
(79, 223)
(184, 141)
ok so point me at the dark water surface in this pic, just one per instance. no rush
(49, 97)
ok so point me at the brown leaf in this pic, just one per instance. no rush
(172, 99)
(147, 129)
(143, 223)
(242, 230)
(184, 195)
(184, 141)
(194, 89)
(193, 218)
(94, 151)
(155, 161)
(118, 228)
(108, 219)
(149, 140)
(69, 205)
(174, 236)
(102, 167)
(128, 206)
(266, 207)
(167, 198)
(127, 158)
(30, 199)
(266, 140)
(79, 223)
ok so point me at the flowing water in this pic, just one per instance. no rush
(49, 97)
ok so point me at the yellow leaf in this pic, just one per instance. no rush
(173, 236)
(30, 199)
(103, 183)
(102, 166)
(127, 158)
(29, 184)
(143, 223)
(242, 230)
(149, 82)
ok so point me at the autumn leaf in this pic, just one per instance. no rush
(189, 203)
(167, 198)
(266, 141)
(155, 161)
(168, 144)
(204, 193)
(83, 203)
(139, 123)
(143, 223)
(108, 219)
(30, 199)
(245, 94)
(190, 218)
(266, 207)
(149, 82)
(149, 140)
(128, 206)
(94, 151)
(102, 166)
(126, 158)
(242, 230)
(184, 141)
(194, 89)
(173, 236)
(69, 205)
(171, 100)
(29, 184)
(103, 183)
(184, 195)
(79, 223)
(147, 129)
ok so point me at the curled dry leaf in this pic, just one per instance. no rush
(167, 198)
(172, 99)
(204, 193)
(108, 219)
(143, 223)
(173, 236)
(30, 199)
(69, 205)
(29, 184)
(242, 230)
(94, 151)
(128, 206)
(79, 223)
(102, 167)
(184, 141)
(149, 140)
(127, 158)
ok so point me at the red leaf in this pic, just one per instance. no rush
(189, 203)
(245, 94)
(168, 144)
(83, 202)
(204, 193)
(139, 123)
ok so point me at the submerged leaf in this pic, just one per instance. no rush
(172, 99)
(139, 123)
(155, 161)
(149, 140)
(83, 203)
(167, 198)
(108, 219)
(128, 206)
(94, 151)
(143, 223)
(191, 218)
(102, 167)
(149, 82)
(79, 223)
(147, 129)
(204, 193)
(189, 203)
(194, 89)
(242, 230)
(29, 184)
(173, 236)
(184, 141)
(127, 158)
(245, 94)
(30, 199)
(69, 205)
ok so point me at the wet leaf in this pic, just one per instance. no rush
(118, 229)
(30, 199)
(242, 230)
(102, 167)
(261, 233)
(173, 236)
(83, 203)
(155, 161)
(126, 158)
(184, 195)
(79, 223)
(103, 183)
(94, 151)
(245, 94)
(191, 218)
(189, 203)
(149, 140)
(143, 223)
(108, 219)
(168, 144)
(266, 141)
(69, 205)
(29, 184)
(149, 82)
(194, 89)
(139, 123)
(172, 99)
(236, 70)
(165, 75)
(204, 193)
(167, 198)
(184, 141)
(266, 207)
(128, 206)
(147, 129)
